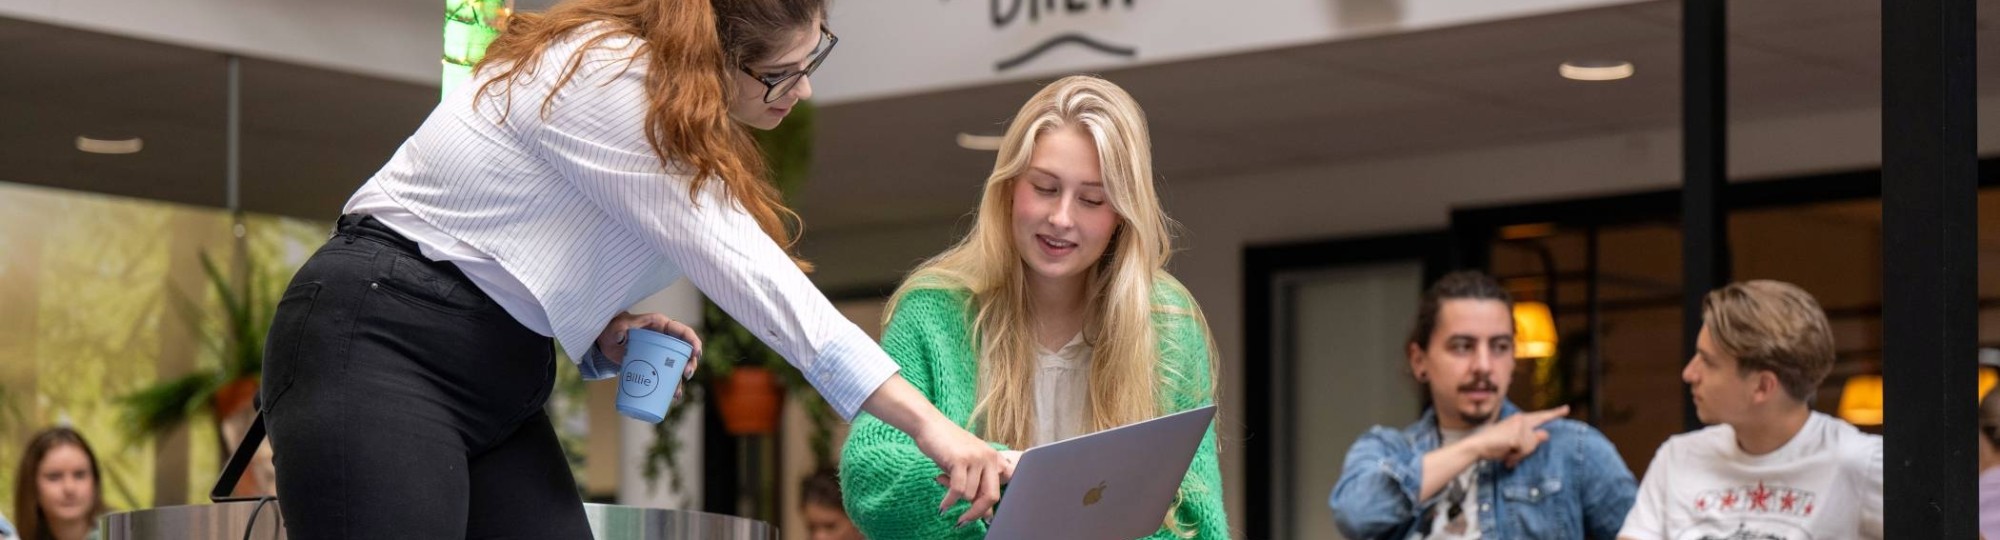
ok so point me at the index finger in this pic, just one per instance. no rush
(1544, 416)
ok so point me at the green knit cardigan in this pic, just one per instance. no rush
(890, 486)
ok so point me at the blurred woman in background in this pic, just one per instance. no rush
(57, 492)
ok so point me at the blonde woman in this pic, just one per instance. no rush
(1052, 318)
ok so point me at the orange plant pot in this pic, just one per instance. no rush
(750, 400)
(234, 396)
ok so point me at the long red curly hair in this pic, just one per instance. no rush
(691, 51)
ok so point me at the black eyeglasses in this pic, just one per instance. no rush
(776, 86)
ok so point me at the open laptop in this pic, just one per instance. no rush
(1116, 483)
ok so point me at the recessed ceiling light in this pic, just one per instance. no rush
(128, 145)
(987, 143)
(1595, 70)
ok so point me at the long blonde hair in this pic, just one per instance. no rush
(1127, 382)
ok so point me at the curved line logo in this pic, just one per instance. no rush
(1072, 38)
(640, 378)
(1032, 12)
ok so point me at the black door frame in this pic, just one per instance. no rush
(1261, 266)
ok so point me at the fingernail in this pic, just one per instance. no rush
(621, 339)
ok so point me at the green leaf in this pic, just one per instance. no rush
(156, 409)
(237, 346)
(788, 150)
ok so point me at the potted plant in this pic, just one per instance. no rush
(744, 374)
(225, 390)
(750, 380)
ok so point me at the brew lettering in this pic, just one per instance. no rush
(1005, 12)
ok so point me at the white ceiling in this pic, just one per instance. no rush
(312, 135)
(894, 161)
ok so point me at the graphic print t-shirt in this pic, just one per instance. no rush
(1826, 483)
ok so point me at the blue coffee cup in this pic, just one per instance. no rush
(653, 365)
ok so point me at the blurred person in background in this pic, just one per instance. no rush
(826, 515)
(1767, 465)
(57, 492)
(1475, 465)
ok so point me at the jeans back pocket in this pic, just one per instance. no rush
(281, 342)
(426, 285)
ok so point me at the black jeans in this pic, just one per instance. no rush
(402, 402)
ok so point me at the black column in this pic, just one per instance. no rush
(720, 468)
(1929, 333)
(1704, 161)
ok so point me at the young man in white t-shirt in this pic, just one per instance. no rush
(1768, 467)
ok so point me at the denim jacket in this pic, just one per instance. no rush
(1574, 486)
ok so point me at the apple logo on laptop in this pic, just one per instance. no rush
(1095, 494)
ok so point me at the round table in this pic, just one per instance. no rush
(226, 521)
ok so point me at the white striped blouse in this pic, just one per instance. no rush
(574, 209)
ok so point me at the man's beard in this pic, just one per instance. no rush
(1480, 382)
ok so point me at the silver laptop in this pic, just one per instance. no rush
(1116, 483)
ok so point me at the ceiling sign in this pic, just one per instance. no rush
(899, 47)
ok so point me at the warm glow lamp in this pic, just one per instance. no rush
(1534, 330)
(1861, 398)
